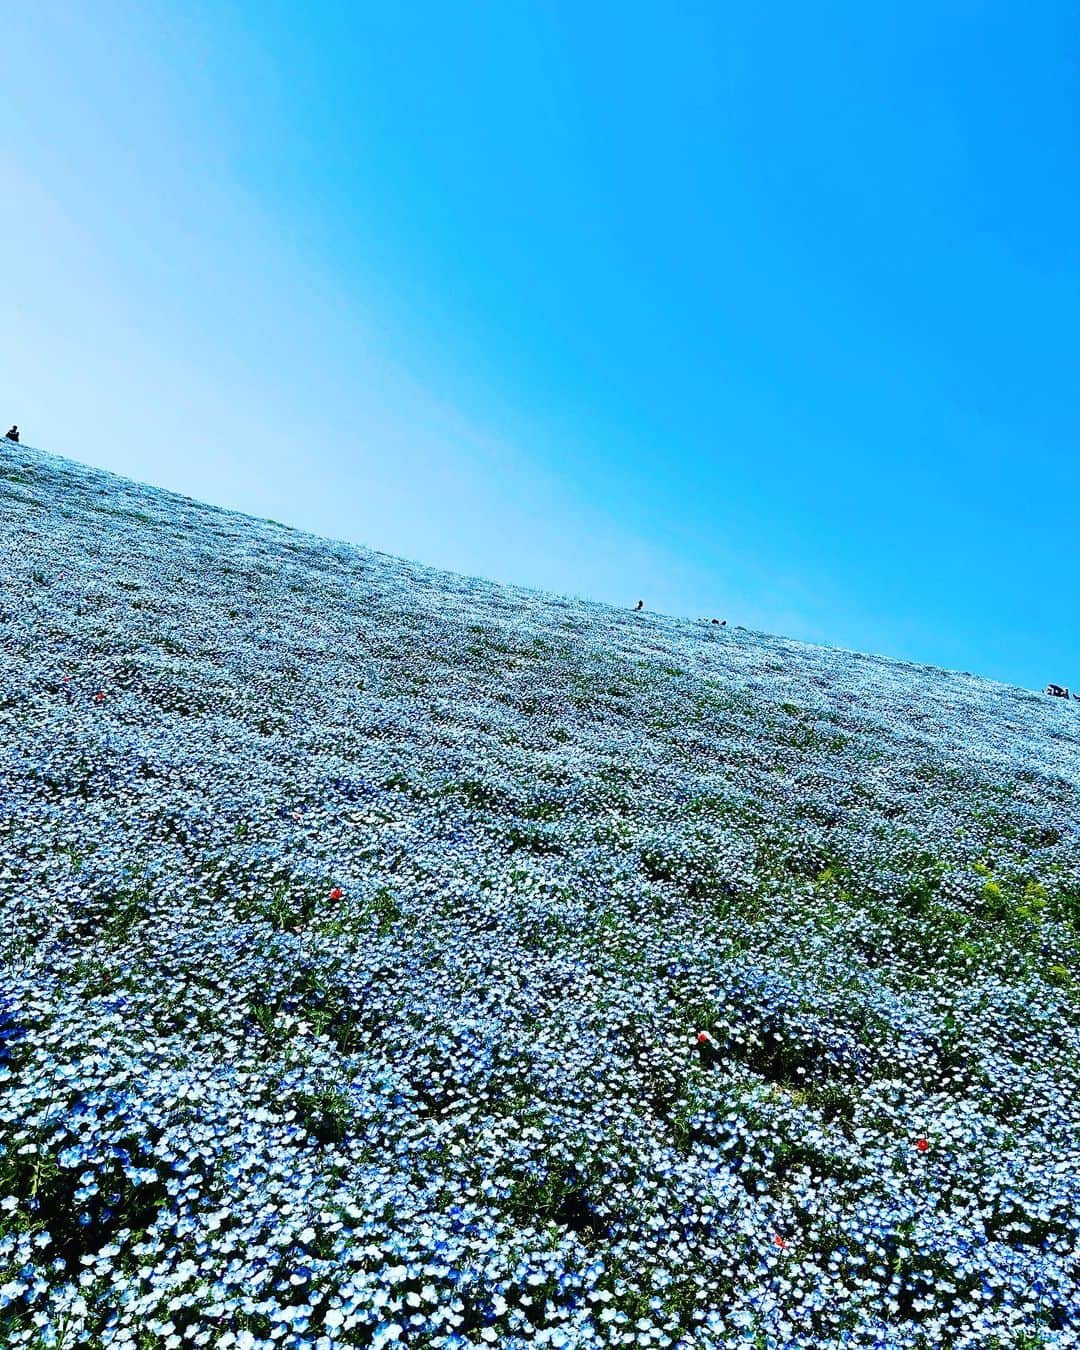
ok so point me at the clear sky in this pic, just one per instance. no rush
(768, 312)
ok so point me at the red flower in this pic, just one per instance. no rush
(778, 1240)
(702, 1036)
(922, 1145)
(336, 893)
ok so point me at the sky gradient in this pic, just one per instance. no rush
(768, 313)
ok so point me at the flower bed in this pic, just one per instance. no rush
(359, 923)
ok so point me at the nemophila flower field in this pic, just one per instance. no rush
(389, 957)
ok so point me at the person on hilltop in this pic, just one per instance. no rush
(13, 435)
(640, 605)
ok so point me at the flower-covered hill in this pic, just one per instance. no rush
(389, 956)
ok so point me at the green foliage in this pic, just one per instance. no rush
(326, 1114)
(477, 794)
(287, 906)
(386, 911)
(532, 839)
(125, 908)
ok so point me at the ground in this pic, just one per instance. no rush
(359, 924)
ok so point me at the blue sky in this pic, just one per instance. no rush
(763, 312)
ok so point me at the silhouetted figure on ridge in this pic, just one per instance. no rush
(13, 435)
(640, 605)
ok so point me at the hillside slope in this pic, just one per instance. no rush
(359, 923)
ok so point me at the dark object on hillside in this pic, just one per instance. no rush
(1057, 690)
(640, 605)
(720, 623)
(708, 1048)
(13, 435)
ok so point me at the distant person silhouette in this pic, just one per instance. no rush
(640, 605)
(13, 435)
